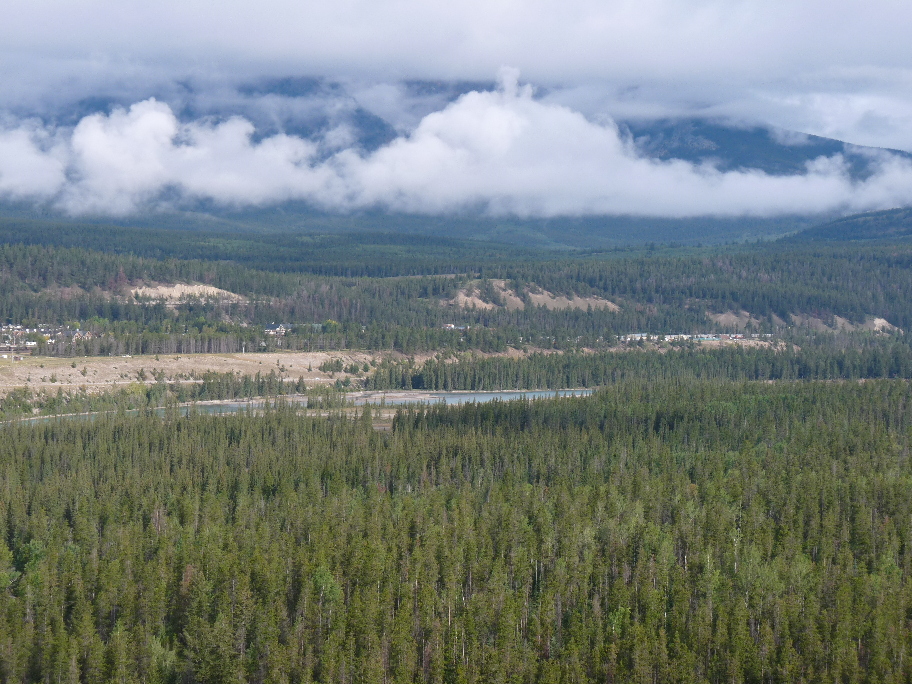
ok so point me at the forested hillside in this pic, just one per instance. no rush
(766, 288)
(875, 225)
(658, 531)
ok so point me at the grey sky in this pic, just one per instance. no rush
(839, 68)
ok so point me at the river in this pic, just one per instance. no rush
(376, 398)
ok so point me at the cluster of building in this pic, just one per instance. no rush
(276, 329)
(19, 338)
(697, 337)
(282, 329)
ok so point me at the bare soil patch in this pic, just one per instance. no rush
(469, 299)
(738, 320)
(178, 291)
(557, 302)
(871, 324)
(98, 374)
(470, 296)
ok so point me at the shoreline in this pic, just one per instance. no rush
(358, 398)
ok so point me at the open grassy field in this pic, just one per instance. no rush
(103, 373)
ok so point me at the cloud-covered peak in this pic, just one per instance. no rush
(500, 151)
(836, 68)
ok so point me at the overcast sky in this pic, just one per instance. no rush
(109, 106)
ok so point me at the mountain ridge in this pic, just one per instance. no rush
(873, 225)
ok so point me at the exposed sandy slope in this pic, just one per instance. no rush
(871, 323)
(183, 290)
(550, 301)
(730, 319)
(469, 297)
(878, 324)
(510, 299)
(740, 320)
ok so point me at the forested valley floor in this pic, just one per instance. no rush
(679, 530)
(733, 503)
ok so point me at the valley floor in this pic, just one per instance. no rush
(96, 374)
(102, 373)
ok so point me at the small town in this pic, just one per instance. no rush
(23, 340)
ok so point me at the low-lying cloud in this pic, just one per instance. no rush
(498, 152)
(835, 68)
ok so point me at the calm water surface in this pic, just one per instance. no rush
(397, 398)
(231, 406)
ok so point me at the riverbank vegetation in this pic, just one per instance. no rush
(208, 386)
(821, 358)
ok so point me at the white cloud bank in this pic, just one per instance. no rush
(502, 152)
(837, 68)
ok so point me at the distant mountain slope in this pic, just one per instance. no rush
(322, 105)
(296, 219)
(876, 225)
(731, 147)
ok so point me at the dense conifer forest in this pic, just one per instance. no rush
(407, 309)
(727, 513)
(676, 530)
(866, 358)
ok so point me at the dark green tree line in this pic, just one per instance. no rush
(676, 530)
